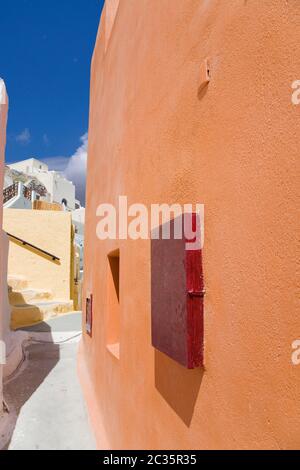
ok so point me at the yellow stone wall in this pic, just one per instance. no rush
(46, 206)
(50, 231)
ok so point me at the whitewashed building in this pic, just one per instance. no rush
(60, 190)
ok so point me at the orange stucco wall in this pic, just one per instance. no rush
(233, 146)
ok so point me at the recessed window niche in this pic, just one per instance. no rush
(113, 303)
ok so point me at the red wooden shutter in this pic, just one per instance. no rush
(89, 315)
(177, 299)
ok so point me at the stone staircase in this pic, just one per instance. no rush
(30, 306)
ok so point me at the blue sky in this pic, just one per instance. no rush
(46, 49)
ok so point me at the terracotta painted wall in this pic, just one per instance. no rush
(235, 148)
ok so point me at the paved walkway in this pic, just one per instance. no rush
(45, 396)
(63, 323)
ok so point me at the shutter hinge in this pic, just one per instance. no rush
(193, 293)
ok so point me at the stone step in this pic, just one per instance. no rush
(36, 312)
(17, 282)
(27, 296)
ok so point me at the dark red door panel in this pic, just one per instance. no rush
(177, 298)
(89, 315)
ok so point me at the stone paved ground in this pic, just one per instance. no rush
(45, 396)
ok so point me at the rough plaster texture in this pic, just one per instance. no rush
(3, 245)
(11, 340)
(6, 309)
(234, 147)
(50, 231)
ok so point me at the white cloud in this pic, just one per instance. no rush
(76, 168)
(73, 168)
(57, 163)
(24, 137)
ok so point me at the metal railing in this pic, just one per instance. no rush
(46, 253)
(27, 193)
(10, 192)
(13, 190)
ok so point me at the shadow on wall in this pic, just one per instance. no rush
(177, 385)
(177, 378)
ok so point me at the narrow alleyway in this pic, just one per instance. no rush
(47, 410)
